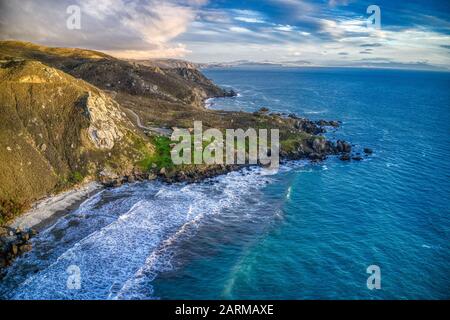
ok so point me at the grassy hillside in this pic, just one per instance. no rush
(55, 132)
(180, 84)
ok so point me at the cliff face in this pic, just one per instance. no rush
(55, 131)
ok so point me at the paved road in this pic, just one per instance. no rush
(161, 131)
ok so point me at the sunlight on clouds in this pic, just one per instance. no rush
(178, 51)
(321, 33)
(239, 30)
(156, 23)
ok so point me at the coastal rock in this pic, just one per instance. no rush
(368, 151)
(343, 147)
(317, 156)
(13, 243)
(308, 126)
(325, 123)
(230, 93)
(345, 157)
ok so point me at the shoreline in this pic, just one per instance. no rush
(48, 210)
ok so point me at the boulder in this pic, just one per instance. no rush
(25, 248)
(316, 156)
(343, 147)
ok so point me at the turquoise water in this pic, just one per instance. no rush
(309, 232)
(336, 219)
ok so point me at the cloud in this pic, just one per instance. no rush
(249, 19)
(143, 28)
(323, 32)
(286, 28)
(239, 30)
(371, 45)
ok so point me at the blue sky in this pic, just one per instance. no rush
(325, 32)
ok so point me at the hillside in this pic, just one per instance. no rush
(55, 132)
(181, 85)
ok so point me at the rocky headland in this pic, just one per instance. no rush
(73, 116)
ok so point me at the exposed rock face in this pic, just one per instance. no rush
(104, 114)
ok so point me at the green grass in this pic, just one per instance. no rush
(76, 177)
(161, 157)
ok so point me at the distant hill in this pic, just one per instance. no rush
(168, 63)
(180, 83)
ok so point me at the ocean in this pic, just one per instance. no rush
(308, 232)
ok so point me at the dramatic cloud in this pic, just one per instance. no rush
(120, 27)
(333, 32)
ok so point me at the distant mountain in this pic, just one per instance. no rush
(364, 63)
(168, 63)
(243, 63)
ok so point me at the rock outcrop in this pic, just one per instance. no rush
(13, 242)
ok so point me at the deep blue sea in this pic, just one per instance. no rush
(308, 232)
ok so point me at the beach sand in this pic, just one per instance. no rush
(45, 212)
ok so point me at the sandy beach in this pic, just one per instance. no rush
(47, 211)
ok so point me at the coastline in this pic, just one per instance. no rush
(48, 210)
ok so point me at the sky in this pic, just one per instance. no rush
(412, 34)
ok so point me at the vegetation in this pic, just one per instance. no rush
(160, 158)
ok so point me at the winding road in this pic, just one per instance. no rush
(161, 131)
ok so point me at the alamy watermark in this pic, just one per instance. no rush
(73, 22)
(74, 279)
(238, 146)
(374, 20)
(374, 280)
